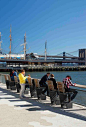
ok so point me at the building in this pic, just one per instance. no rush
(12, 56)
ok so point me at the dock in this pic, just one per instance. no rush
(30, 112)
(43, 68)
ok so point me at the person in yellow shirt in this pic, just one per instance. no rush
(22, 80)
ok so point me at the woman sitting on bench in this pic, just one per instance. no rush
(54, 81)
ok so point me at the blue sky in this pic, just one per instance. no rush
(61, 22)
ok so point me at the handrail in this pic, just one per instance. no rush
(3, 74)
(77, 86)
(80, 86)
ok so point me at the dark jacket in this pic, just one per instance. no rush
(54, 82)
(43, 80)
(12, 76)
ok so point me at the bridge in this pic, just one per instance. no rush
(53, 59)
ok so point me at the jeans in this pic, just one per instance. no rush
(22, 90)
(46, 88)
(73, 95)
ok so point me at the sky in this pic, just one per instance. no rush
(62, 23)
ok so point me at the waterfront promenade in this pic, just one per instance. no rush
(29, 112)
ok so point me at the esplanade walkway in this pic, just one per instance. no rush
(29, 112)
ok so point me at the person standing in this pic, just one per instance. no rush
(22, 79)
(67, 83)
(43, 83)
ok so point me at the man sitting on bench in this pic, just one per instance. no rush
(67, 82)
(43, 83)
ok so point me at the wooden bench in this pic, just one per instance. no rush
(32, 87)
(39, 90)
(7, 81)
(64, 100)
(17, 84)
(53, 93)
(11, 83)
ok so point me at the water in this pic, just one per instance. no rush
(78, 77)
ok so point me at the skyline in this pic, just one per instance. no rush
(61, 23)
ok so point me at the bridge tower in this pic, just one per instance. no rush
(82, 55)
(63, 55)
(0, 44)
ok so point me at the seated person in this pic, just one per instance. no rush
(43, 83)
(12, 74)
(67, 82)
(16, 74)
(54, 81)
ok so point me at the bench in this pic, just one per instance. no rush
(11, 83)
(53, 93)
(32, 87)
(39, 90)
(17, 84)
(64, 100)
(7, 82)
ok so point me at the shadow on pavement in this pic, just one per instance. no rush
(41, 106)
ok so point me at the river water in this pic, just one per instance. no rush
(78, 77)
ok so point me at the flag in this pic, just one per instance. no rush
(10, 36)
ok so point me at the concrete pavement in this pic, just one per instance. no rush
(29, 112)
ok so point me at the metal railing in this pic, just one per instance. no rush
(81, 96)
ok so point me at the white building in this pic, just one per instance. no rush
(14, 56)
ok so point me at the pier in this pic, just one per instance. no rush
(55, 68)
(43, 68)
(38, 113)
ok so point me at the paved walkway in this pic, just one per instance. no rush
(29, 112)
